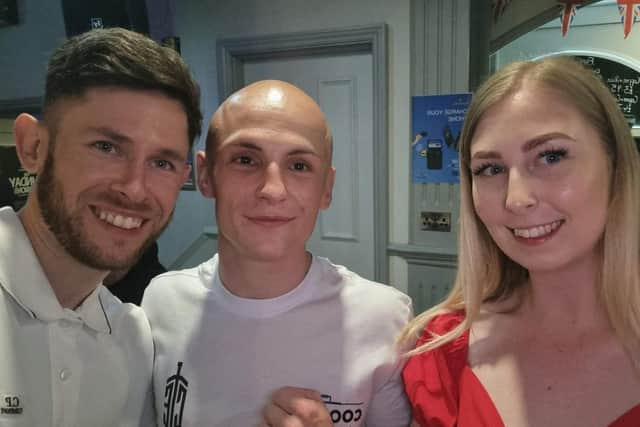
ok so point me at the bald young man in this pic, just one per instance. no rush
(264, 312)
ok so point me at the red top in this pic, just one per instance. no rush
(444, 391)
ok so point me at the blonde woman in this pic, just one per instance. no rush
(542, 327)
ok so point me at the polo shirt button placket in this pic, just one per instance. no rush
(65, 374)
(65, 324)
(65, 360)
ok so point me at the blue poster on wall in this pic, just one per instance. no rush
(436, 124)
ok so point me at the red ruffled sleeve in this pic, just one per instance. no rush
(432, 378)
(630, 419)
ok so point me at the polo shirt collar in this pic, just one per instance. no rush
(22, 277)
(92, 312)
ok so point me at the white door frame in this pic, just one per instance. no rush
(233, 52)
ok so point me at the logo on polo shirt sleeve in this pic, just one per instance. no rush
(11, 404)
(175, 395)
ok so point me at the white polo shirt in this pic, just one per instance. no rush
(89, 367)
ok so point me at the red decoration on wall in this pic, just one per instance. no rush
(498, 8)
(630, 11)
(568, 12)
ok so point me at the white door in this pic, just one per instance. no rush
(343, 86)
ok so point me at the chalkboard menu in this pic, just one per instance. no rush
(623, 81)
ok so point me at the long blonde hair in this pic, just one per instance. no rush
(485, 273)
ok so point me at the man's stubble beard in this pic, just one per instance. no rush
(68, 229)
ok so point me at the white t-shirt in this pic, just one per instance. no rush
(218, 356)
(59, 367)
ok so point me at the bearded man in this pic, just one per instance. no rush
(119, 116)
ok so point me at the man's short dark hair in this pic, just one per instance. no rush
(122, 58)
